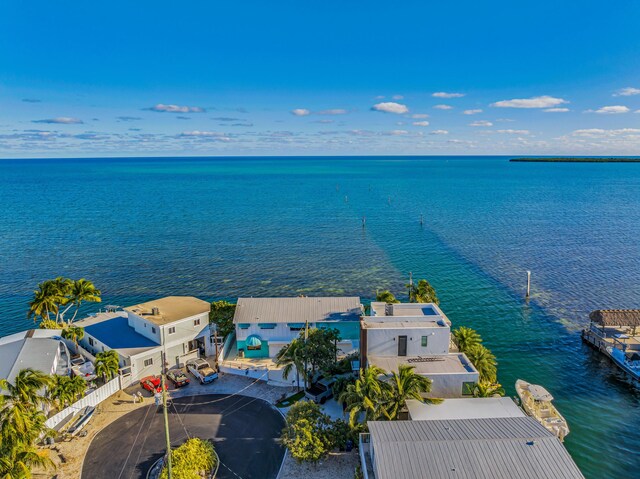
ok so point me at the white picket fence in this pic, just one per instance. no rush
(92, 399)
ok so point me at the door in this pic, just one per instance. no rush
(402, 345)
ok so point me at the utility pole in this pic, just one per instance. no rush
(166, 416)
(306, 336)
(215, 338)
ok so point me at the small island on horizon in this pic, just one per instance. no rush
(577, 159)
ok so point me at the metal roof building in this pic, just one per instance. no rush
(299, 310)
(21, 351)
(512, 447)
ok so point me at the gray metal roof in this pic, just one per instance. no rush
(34, 353)
(297, 310)
(514, 447)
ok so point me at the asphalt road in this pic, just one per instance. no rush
(245, 432)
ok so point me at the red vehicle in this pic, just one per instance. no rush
(152, 384)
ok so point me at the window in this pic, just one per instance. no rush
(192, 345)
(196, 322)
(172, 330)
(467, 388)
(91, 343)
(148, 362)
(425, 340)
(153, 329)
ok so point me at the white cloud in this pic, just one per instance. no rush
(160, 107)
(556, 110)
(439, 132)
(61, 120)
(544, 101)
(398, 132)
(602, 133)
(300, 112)
(442, 94)
(419, 116)
(397, 97)
(333, 111)
(204, 134)
(472, 112)
(391, 107)
(513, 132)
(611, 110)
(629, 91)
(421, 123)
(481, 123)
(443, 107)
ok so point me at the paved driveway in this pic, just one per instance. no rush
(245, 432)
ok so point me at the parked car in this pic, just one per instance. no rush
(152, 384)
(178, 378)
(201, 370)
(321, 390)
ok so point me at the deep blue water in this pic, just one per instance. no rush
(220, 228)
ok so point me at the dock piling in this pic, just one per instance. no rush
(528, 283)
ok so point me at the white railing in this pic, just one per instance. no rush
(92, 399)
(364, 449)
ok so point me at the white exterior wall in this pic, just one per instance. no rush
(139, 370)
(450, 385)
(384, 342)
(185, 329)
(144, 327)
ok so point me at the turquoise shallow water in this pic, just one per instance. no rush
(284, 226)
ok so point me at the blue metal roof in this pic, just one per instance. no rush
(117, 334)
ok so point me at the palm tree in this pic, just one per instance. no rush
(466, 338)
(405, 384)
(484, 361)
(107, 364)
(367, 395)
(17, 461)
(291, 356)
(485, 389)
(66, 390)
(73, 333)
(22, 421)
(386, 296)
(43, 303)
(82, 290)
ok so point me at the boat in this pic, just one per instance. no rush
(536, 401)
(629, 361)
(83, 417)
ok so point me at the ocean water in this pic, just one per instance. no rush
(228, 227)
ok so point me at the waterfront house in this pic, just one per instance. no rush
(491, 447)
(39, 349)
(264, 325)
(175, 326)
(417, 334)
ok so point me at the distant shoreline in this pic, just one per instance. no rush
(577, 160)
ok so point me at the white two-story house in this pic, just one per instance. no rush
(176, 327)
(417, 334)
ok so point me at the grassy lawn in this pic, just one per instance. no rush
(290, 400)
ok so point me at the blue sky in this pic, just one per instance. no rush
(295, 78)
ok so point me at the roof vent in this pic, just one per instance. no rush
(155, 311)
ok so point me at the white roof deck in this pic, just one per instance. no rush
(464, 408)
(426, 365)
(297, 310)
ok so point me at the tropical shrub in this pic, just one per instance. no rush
(485, 389)
(66, 390)
(221, 314)
(191, 460)
(423, 292)
(308, 434)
